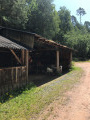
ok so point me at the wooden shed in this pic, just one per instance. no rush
(45, 53)
(13, 65)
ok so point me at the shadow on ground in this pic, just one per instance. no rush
(40, 79)
(35, 80)
(14, 93)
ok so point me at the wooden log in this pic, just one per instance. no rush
(70, 58)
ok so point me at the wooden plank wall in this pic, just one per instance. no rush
(12, 78)
(25, 38)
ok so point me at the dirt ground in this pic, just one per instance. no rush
(76, 105)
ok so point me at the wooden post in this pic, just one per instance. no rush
(70, 58)
(16, 75)
(22, 57)
(57, 60)
(27, 56)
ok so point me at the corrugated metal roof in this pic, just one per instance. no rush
(6, 43)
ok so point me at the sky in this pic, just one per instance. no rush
(73, 5)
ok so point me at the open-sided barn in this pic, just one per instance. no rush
(43, 54)
(56, 53)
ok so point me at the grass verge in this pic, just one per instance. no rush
(32, 99)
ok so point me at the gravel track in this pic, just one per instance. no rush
(77, 105)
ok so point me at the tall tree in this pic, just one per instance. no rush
(80, 12)
(44, 19)
(65, 24)
(65, 18)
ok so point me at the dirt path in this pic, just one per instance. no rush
(77, 105)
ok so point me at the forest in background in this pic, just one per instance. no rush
(41, 17)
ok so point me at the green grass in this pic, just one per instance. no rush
(27, 103)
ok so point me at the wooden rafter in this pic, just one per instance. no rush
(44, 50)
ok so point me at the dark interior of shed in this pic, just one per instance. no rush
(66, 61)
(40, 60)
(7, 59)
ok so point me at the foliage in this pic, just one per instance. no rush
(74, 20)
(76, 24)
(65, 24)
(65, 18)
(40, 17)
(13, 13)
(80, 41)
(44, 20)
(87, 25)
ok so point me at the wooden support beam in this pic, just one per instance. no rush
(22, 57)
(26, 62)
(17, 58)
(57, 60)
(70, 58)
